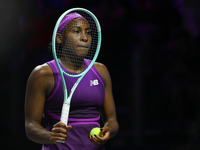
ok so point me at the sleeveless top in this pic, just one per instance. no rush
(86, 102)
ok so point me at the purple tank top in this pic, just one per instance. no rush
(85, 106)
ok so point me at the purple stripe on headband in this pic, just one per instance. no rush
(67, 19)
(85, 120)
(80, 123)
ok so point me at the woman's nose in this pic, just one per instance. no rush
(84, 37)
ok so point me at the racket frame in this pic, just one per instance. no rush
(67, 97)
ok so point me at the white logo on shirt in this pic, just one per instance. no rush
(94, 82)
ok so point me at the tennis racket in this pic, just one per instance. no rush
(72, 54)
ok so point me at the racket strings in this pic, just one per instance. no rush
(79, 42)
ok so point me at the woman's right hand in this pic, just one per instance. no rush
(59, 132)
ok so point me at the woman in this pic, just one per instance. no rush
(44, 96)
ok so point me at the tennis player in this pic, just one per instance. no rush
(92, 100)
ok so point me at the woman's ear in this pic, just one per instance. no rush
(59, 38)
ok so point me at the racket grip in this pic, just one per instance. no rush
(59, 141)
(64, 117)
(65, 113)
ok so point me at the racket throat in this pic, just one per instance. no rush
(73, 89)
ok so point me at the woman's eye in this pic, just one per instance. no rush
(75, 31)
(88, 32)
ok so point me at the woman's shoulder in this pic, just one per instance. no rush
(42, 77)
(41, 72)
(99, 65)
(102, 70)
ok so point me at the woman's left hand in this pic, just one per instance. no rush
(101, 140)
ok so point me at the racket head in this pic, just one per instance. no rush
(65, 51)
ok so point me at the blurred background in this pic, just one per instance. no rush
(151, 48)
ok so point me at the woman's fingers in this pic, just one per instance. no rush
(59, 132)
(69, 128)
(101, 140)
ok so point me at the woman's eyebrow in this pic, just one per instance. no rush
(88, 28)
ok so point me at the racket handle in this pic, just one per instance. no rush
(64, 117)
(65, 113)
(59, 141)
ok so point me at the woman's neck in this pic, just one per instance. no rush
(73, 67)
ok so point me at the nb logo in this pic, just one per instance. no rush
(94, 82)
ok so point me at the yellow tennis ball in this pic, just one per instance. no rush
(96, 131)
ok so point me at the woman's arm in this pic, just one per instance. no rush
(39, 85)
(108, 112)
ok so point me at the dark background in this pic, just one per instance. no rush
(151, 48)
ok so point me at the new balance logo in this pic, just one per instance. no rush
(94, 82)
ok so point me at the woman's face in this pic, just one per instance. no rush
(76, 39)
